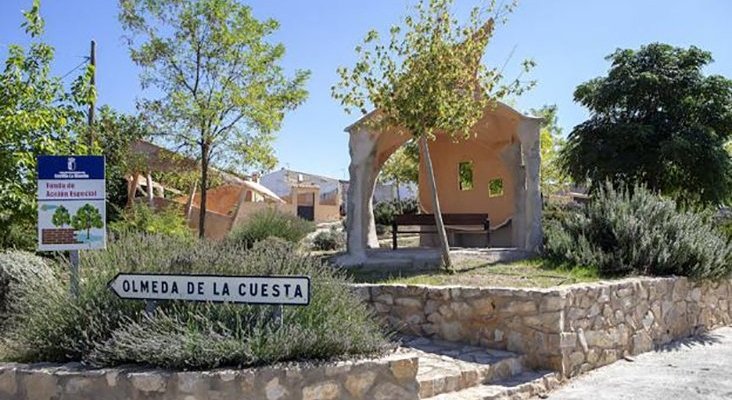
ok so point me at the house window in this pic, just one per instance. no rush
(465, 175)
(495, 187)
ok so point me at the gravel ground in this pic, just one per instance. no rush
(690, 369)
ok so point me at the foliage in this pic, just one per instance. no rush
(402, 166)
(634, 231)
(427, 80)
(271, 222)
(114, 134)
(140, 218)
(656, 119)
(100, 329)
(553, 178)
(37, 116)
(18, 271)
(332, 239)
(385, 211)
(61, 216)
(86, 218)
(221, 84)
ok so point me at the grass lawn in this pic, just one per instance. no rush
(538, 272)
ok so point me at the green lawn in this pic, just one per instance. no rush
(539, 273)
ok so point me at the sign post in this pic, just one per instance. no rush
(71, 207)
(264, 290)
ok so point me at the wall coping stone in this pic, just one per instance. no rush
(394, 375)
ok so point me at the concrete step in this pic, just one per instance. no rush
(446, 367)
(523, 386)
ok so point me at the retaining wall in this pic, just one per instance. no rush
(570, 329)
(393, 377)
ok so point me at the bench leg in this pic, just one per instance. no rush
(394, 237)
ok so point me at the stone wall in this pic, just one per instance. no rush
(570, 329)
(605, 322)
(393, 377)
(520, 320)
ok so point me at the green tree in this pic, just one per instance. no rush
(656, 119)
(37, 116)
(114, 135)
(553, 178)
(61, 216)
(401, 167)
(86, 218)
(219, 77)
(428, 80)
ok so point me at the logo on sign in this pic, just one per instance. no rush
(72, 173)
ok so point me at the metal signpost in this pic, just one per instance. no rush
(71, 207)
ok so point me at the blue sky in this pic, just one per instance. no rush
(567, 38)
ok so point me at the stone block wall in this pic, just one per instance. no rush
(605, 322)
(519, 320)
(570, 329)
(392, 377)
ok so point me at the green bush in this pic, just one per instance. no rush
(271, 222)
(19, 271)
(140, 218)
(385, 211)
(329, 240)
(100, 329)
(624, 232)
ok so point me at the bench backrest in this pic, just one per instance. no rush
(447, 219)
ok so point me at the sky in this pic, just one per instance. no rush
(568, 39)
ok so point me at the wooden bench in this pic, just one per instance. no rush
(451, 221)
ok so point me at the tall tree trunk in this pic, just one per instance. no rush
(204, 189)
(441, 233)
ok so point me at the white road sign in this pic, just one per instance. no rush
(289, 290)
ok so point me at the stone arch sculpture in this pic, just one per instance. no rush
(507, 136)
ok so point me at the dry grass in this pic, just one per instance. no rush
(539, 273)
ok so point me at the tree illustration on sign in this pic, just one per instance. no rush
(61, 217)
(87, 217)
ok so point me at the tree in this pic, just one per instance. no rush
(656, 119)
(61, 216)
(115, 133)
(87, 217)
(37, 116)
(220, 81)
(428, 80)
(553, 178)
(402, 167)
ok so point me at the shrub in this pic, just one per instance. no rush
(102, 330)
(385, 211)
(19, 270)
(637, 232)
(271, 222)
(140, 218)
(329, 240)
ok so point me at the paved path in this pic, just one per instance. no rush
(697, 368)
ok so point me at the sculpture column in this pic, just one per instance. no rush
(360, 227)
(529, 131)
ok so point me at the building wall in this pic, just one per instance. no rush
(217, 225)
(484, 149)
